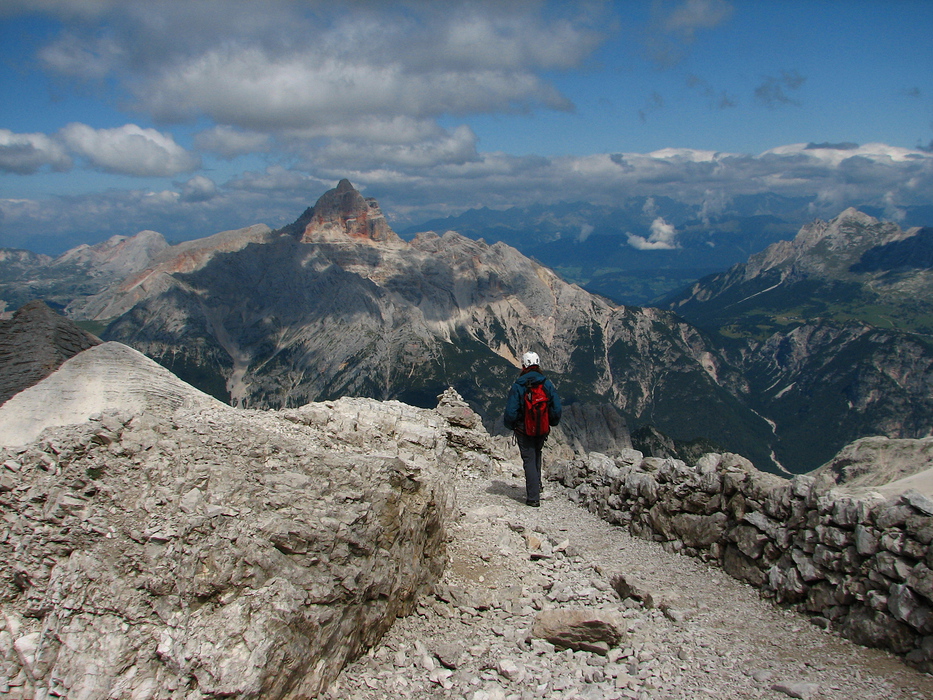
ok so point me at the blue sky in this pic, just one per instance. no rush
(194, 117)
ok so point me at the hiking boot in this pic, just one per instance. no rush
(533, 504)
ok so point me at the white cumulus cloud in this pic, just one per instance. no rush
(455, 147)
(129, 150)
(663, 237)
(255, 89)
(316, 65)
(198, 189)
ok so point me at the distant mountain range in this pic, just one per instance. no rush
(644, 248)
(854, 268)
(833, 331)
(337, 304)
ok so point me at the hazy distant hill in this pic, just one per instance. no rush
(854, 267)
(77, 273)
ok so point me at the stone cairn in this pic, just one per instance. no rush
(859, 566)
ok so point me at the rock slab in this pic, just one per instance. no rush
(203, 551)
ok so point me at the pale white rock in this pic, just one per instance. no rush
(802, 691)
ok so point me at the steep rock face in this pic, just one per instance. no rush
(33, 344)
(343, 212)
(288, 322)
(653, 443)
(207, 551)
(597, 427)
(826, 385)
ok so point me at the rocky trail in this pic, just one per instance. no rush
(693, 631)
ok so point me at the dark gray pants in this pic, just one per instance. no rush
(530, 449)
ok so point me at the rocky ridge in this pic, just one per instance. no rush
(152, 274)
(852, 268)
(33, 343)
(105, 375)
(118, 256)
(821, 250)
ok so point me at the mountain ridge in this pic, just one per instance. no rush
(831, 269)
(336, 304)
(374, 315)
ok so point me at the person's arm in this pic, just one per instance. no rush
(554, 409)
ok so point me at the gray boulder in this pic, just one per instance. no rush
(195, 550)
(590, 630)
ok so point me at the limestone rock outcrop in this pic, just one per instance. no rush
(590, 630)
(882, 464)
(33, 344)
(343, 212)
(194, 550)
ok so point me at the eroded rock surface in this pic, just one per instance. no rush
(208, 551)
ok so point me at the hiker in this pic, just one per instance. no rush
(531, 409)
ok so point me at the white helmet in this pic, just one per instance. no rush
(529, 359)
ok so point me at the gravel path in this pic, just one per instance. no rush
(715, 639)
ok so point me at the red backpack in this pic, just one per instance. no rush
(536, 418)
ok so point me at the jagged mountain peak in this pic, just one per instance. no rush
(825, 247)
(854, 254)
(343, 213)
